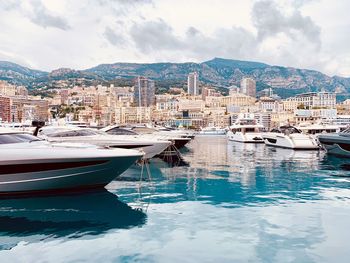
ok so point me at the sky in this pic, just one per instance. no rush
(79, 34)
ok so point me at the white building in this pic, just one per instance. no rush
(7, 89)
(165, 102)
(315, 100)
(315, 114)
(263, 118)
(233, 90)
(267, 104)
(125, 115)
(191, 105)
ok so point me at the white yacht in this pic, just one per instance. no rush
(210, 130)
(151, 147)
(142, 131)
(290, 137)
(246, 130)
(337, 143)
(79, 124)
(29, 164)
(320, 128)
(176, 132)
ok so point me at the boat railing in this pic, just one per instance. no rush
(346, 132)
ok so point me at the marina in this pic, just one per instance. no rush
(230, 201)
(174, 131)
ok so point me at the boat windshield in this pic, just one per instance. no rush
(166, 129)
(7, 138)
(144, 130)
(286, 130)
(75, 133)
(120, 131)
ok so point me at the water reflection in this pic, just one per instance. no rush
(237, 174)
(73, 215)
(215, 157)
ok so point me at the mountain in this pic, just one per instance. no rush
(19, 75)
(286, 81)
(217, 71)
(67, 73)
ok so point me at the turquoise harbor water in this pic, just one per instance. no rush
(231, 203)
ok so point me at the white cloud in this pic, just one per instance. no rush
(41, 16)
(80, 34)
(269, 20)
(113, 37)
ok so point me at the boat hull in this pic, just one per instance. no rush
(181, 142)
(292, 141)
(150, 150)
(245, 138)
(43, 176)
(337, 150)
(212, 133)
(335, 144)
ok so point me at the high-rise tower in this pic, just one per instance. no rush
(248, 87)
(193, 84)
(144, 92)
